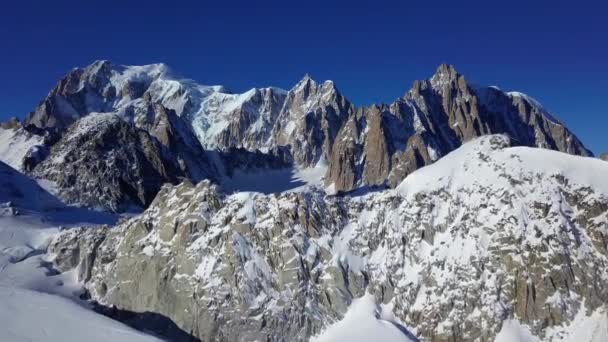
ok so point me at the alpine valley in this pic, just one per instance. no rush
(136, 205)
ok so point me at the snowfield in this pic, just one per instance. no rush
(15, 144)
(33, 316)
(38, 304)
(366, 321)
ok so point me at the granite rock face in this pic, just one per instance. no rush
(498, 236)
(310, 120)
(435, 117)
(102, 161)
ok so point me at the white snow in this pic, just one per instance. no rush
(15, 144)
(526, 97)
(36, 303)
(462, 167)
(31, 316)
(513, 331)
(22, 192)
(592, 328)
(366, 321)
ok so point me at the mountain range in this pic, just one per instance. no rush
(117, 133)
(458, 212)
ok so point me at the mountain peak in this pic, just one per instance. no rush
(98, 65)
(445, 74)
(446, 68)
(307, 78)
(305, 84)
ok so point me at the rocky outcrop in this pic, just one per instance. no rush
(418, 152)
(310, 120)
(377, 164)
(250, 123)
(485, 235)
(344, 171)
(437, 116)
(604, 156)
(102, 161)
(82, 91)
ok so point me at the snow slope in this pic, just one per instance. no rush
(22, 192)
(37, 303)
(463, 168)
(366, 321)
(592, 328)
(15, 144)
(30, 316)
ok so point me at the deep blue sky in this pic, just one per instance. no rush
(556, 51)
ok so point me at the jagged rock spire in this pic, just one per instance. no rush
(445, 74)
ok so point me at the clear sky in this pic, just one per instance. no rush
(556, 51)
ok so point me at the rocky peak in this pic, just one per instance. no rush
(437, 116)
(445, 74)
(12, 123)
(306, 86)
(377, 149)
(310, 119)
(99, 67)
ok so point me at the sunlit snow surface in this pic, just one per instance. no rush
(15, 144)
(36, 303)
(593, 328)
(366, 321)
(32, 316)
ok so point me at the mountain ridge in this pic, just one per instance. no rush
(487, 235)
(376, 146)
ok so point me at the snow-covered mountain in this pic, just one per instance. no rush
(456, 213)
(488, 237)
(179, 126)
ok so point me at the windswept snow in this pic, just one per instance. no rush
(366, 321)
(513, 331)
